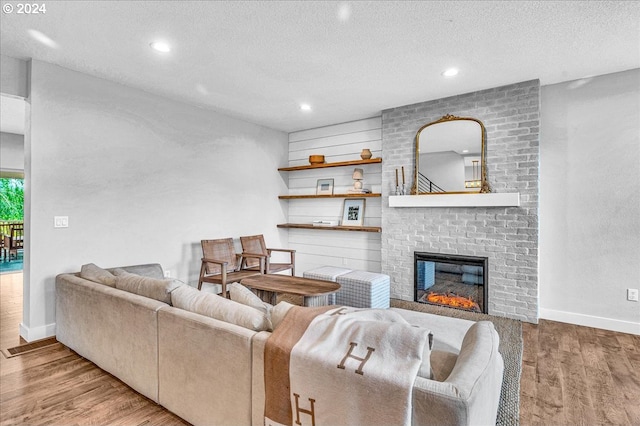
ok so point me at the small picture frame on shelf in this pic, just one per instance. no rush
(353, 212)
(324, 187)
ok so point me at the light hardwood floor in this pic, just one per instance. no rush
(55, 386)
(570, 375)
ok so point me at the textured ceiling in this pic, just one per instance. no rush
(259, 60)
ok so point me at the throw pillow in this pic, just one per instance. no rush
(96, 274)
(278, 313)
(242, 294)
(153, 288)
(220, 308)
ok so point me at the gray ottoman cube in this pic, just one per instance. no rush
(326, 273)
(362, 289)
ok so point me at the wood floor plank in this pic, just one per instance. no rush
(608, 409)
(549, 402)
(590, 348)
(625, 377)
(578, 404)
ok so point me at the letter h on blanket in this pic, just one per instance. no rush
(363, 360)
(310, 411)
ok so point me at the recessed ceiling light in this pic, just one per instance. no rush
(450, 72)
(344, 12)
(160, 46)
(43, 38)
(305, 107)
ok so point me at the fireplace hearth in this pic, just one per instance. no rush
(454, 281)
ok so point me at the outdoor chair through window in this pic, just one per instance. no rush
(14, 241)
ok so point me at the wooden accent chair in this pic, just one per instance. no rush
(13, 241)
(221, 264)
(254, 244)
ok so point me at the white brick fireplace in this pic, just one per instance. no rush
(507, 236)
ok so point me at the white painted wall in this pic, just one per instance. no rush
(13, 76)
(11, 152)
(340, 142)
(142, 179)
(590, 201)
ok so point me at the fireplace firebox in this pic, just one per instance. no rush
(454, 281)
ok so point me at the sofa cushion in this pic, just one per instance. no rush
(153, 288)
(152, 270)
(220, 308)
(442, 363)
(96, 274)
(278, 312)
(242, 294)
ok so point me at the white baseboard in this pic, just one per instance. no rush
(37, 333)
(591, 321)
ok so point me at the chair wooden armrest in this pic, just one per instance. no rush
(219, 262)
(223, 268)
(203, 270)
(255, 255)
(261, 257)
(282, 250)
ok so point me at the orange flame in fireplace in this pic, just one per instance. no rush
(452, 300)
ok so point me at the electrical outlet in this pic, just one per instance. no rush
(167, 274)
(344, 261)
(61, 221)
(632, 294)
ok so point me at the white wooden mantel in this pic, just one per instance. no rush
(507, 199)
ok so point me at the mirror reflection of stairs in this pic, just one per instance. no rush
(425, 185)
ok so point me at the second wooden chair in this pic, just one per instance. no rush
(254, 244)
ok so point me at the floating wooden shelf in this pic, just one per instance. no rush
(326, 165)
(331, 228)
(291, 197)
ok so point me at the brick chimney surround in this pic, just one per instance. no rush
(507, 236)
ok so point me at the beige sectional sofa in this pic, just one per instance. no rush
(209, 371)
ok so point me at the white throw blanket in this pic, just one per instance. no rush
(342, 366)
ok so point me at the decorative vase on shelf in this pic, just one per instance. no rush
(365, 154)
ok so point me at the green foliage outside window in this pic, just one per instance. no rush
(11, 199)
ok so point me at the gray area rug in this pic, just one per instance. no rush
(510, 332)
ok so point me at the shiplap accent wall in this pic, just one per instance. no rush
(340, 142)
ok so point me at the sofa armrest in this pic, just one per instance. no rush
(471, 393)
(114, 329)
(257, 378)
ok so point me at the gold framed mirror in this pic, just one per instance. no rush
(450, 157)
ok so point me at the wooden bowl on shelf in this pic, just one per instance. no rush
(316, 159)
